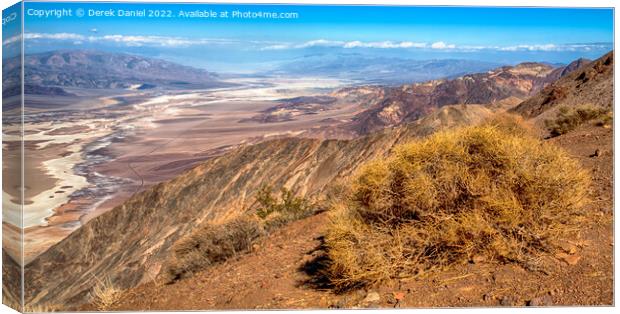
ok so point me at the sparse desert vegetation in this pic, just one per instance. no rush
(569, 118)
(214, 243)
(510, 123)
(105, 295)
(211, 244)
(477, 193)
(30, 307)
(276, 212)
(11, 302)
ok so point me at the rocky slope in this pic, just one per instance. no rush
(390, 106)
(292, 281)
(11, 281)
(583, 276)
(591, 84)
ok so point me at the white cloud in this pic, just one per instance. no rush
(320, 43)
(383, 44)
(56, 36)
(276, 47)
(168, 41)
(11, 40)
(353, 44)
(149, 40)
(557, 47)
(545, 47)
(442, 45)
(130, 40)
(347, 44)
(408, 44)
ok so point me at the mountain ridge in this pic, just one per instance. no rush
(391, 106)
(588, 84)
(105, 70)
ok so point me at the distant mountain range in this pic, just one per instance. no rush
(103, 70)
(48, 73)
(380, 70)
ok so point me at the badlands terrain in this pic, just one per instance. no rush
(95, 137)
(117, 178)
(88, 150)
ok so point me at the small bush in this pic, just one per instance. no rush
(510, 123)
(214, 243)
(210, 244)
(105, 295)
(569, 118)
(606, 120)
(483, 191)
(276, 212)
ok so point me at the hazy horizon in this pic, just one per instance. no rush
(247, 45)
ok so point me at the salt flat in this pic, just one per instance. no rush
(83, 163)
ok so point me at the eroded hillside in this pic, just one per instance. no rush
(591, 84)
(391, 106)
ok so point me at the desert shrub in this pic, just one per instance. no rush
(210, 244)
(569, 118)
(606, 120)
(276, 212)
(510, 123)
(105, 295)
(477, 192)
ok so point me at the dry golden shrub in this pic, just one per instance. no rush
(211, 244)
(569, 118)
(11, 300)
(510, 123)
(489, 191)
(105, 295)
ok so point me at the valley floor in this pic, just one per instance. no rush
(283, 269)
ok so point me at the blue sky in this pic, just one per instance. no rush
(506, 35)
